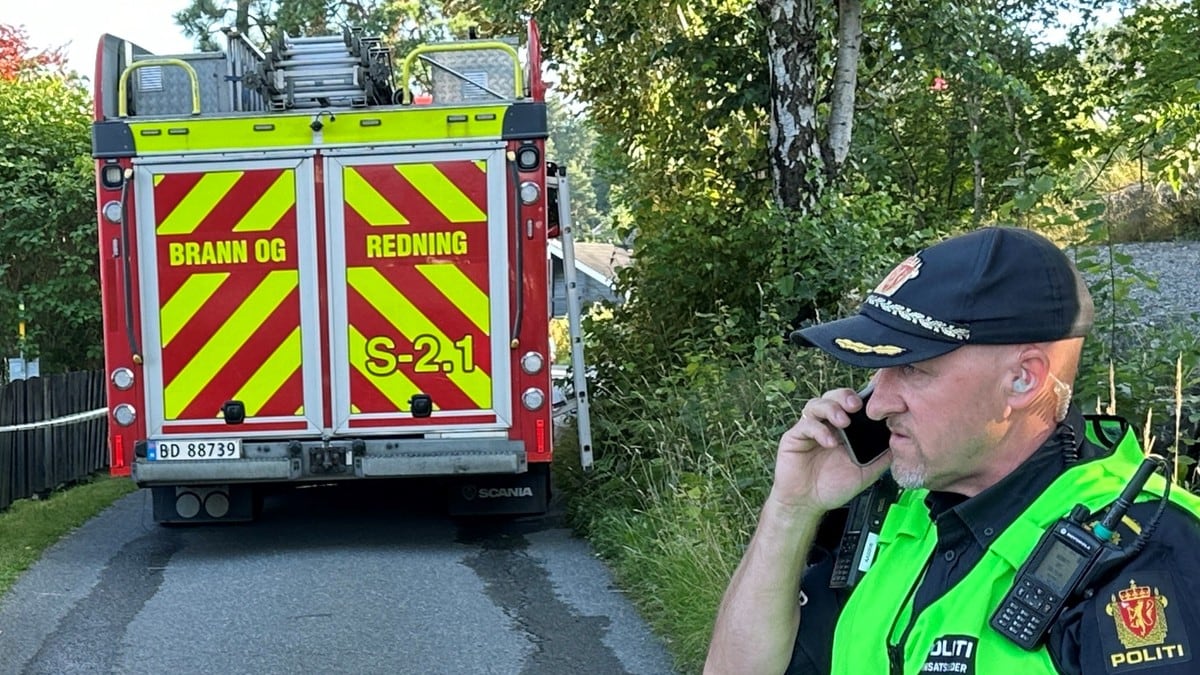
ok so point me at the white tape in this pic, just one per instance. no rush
(58, 421)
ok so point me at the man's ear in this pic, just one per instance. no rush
(1032, 371)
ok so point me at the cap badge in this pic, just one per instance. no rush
(909, 269)
(861, 348)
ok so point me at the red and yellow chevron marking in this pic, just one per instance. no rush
(228, 285)
(417, 285)
(223, 201)
(445, 192)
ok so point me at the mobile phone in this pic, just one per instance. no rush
(865, 438)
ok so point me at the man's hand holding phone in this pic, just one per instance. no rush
(817, 467)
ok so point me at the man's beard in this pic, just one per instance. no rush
(910, 477)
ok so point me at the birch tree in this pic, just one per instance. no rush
(804, 157)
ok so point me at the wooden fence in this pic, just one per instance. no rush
(53, 432)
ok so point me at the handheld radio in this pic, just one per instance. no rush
(1068, 559)
(860, 536)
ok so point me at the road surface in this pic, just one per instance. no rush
(354, 579)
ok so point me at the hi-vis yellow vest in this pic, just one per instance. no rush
(952, 634)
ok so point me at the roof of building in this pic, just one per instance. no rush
(598, 260)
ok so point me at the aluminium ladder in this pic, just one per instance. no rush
(579, 392)
(305, 72)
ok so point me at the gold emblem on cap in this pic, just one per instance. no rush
(861, 348)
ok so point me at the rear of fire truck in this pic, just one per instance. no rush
(323, 263)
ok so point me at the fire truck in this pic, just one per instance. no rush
(323, 263)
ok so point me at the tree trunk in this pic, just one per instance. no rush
(845, 81)
(796, 160)
(974, 143)
(242, 18)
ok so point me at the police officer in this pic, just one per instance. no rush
(974, 342)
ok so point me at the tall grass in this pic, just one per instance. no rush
(685, 463)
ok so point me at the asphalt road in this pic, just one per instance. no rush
(345, 580)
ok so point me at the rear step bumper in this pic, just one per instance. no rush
(341, 460)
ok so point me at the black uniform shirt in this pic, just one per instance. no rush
(1138, 620)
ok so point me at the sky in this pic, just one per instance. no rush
(54, 23)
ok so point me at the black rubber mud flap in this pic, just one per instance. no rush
(518, 494)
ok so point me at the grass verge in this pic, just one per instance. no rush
(681, 472)
(30, 526)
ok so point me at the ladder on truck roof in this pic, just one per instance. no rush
(579, 391)
(304, 72)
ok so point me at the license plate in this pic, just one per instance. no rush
(194, 449)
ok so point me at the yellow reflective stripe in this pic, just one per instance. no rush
(271, 376)
(188, 300)
(216, 134)
(461, 291)
(369, 204)
(387, 127)
(196, 205)
(481, 164)
(410, 323)
(395, 386)
(158, 178)
(271, 206)
(247, 319)
(441, 193)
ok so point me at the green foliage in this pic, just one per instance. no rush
(684, 463)
(1136, 91)
(48, 253)
(573, 144)
(955, 113)
(404, 22)
(1146, 68)
(720, 278)
(1135, 377)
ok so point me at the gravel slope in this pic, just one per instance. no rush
(1176, 267)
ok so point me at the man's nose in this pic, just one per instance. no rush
(885, 401)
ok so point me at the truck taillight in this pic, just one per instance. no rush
(124, 414)
(118, 451)
(122, 378)
(530, 192)
(533, 398)
(112, 211)
(532, 362)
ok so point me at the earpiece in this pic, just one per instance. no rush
(1022, 384)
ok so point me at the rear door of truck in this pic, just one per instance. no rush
(227, 273)
(418, 283)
